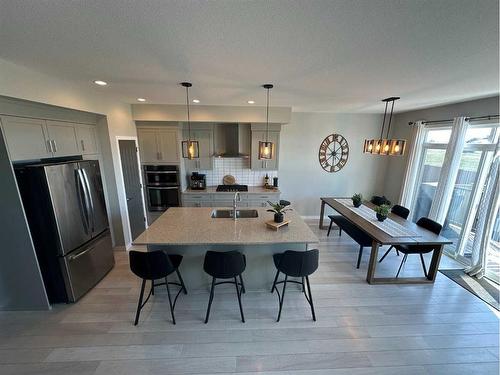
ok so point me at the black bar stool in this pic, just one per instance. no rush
(154, 265)
(295, 264)
(225, 265)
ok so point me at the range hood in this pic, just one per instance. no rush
(232, 140)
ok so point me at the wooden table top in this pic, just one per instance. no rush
(424, 237)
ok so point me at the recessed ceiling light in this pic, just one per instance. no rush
(100, 83)
(196, 101)
(141, 99)
(251, 102)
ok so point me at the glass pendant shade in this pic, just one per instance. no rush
(266, 150)
(190, 149)
(397, 147)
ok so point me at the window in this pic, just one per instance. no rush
(460, 213)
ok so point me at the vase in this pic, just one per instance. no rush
(381, 217)
(278, 218)
(356, 203)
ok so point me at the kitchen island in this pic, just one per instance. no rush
(191, 231)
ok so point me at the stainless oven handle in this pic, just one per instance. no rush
(164, 187)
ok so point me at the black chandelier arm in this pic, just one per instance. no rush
(267, 117)
(188, 114)
(390, 119)
(383, 122)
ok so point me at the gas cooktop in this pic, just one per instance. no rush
(232, 188)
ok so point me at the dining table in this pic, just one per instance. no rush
(393, 231)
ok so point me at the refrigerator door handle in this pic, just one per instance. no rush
(83, 200)
(91, 201)
(74, 257)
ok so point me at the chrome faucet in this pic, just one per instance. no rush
(236, 198)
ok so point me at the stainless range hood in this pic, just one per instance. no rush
(232, 140)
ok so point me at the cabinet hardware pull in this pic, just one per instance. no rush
(55, 145)
(49, 146)
(83, 145)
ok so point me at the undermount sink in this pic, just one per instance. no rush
(228, 214)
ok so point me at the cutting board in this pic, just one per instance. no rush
(229, 180)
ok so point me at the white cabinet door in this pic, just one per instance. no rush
(168, 146)
(256, 163)
(26, 138)
(148, 146)
(63, 138)
(205, 144)
(87, 139)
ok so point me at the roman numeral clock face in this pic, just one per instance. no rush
(333, 153)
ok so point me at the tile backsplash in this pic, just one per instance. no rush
(240, 169)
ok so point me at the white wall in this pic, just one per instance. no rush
(19, 82)
(396, 165)
(303, 181)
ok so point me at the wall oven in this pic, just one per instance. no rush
(162, 186)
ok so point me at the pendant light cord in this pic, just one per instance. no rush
(267, 117)
(189, 121)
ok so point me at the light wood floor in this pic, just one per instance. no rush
(361, 329)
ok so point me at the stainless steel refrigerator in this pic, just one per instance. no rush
(66, 211)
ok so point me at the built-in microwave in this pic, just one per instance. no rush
(161, 175)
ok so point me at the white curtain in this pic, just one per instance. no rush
(410, 178)
(449, 170)
(486, 217)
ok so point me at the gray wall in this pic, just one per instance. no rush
(394, 173)
(21, 284)
(303, 181)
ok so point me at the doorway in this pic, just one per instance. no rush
(132, 182)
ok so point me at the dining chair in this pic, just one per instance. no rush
(402, 212)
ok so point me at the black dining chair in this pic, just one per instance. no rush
(425, 223)
(402, 212)
(225, 265)
(154, 265)
(295, 264)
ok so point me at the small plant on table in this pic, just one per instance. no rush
(279, 211)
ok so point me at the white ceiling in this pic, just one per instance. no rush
(339, 56)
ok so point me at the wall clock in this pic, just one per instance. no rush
(333, 153)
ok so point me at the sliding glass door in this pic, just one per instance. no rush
(492, 270)
(459, 210)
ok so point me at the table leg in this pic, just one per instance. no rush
(370, 274)
(322, 213)
(436, 257)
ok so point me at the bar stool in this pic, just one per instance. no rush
(154, 265)
(295, 264)
(225, 265)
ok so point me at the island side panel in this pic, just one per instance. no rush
(259, 273)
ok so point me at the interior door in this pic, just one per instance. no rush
(133, 189)
(68, 201)
(63, 138)
(92, 176)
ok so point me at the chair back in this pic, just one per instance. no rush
(150, 265)
(377, 200)
(430, 225)
(224, 265)
(299, 263)
(400, 211)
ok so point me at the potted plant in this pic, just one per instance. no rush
(279, 210)
(357, 199)
(382, 211)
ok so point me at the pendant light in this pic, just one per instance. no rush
(385, 146)
(266, 148)
(190, 148)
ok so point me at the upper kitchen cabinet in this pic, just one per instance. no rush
(62, 138)
(158, 146)
(26, 138)
(86, 136)
(206, 151)
(255, 162)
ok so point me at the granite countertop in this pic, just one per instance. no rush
(194, 226)
(251, 190)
